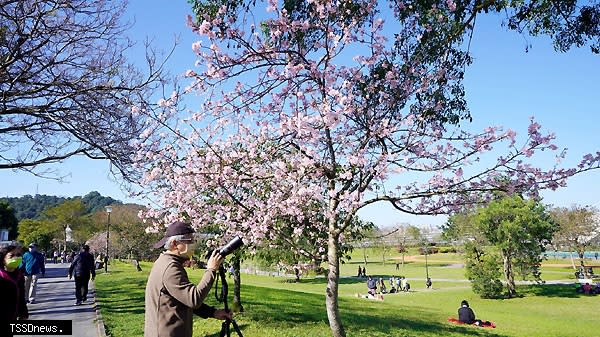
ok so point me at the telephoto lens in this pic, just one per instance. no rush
(232, 245)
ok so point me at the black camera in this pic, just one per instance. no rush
(232, 245)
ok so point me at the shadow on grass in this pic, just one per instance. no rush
(323, 280)
(275, 307)
(550, 290)
(342, 280)
(121, 296)
(390, 264)
(125, 296)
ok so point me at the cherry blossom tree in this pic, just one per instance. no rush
(326, 107)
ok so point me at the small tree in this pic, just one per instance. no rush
(42, 232)
(578, 226)
(8, 220)
(422, 242)
(483, 269)
(402, 235)
(128, 236)
(460, 228)
(70, 213)
(519, 229)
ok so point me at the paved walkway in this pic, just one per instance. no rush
(55, 299)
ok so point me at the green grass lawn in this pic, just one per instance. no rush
(275, 307)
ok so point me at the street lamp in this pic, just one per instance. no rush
(108, 210)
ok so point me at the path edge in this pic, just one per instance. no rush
(100, 329)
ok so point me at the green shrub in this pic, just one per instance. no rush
(444, 250)
(484, 271)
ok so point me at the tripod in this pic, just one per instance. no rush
(225, 326)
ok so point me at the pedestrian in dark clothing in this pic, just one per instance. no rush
(428, 283)
(81, 267)
(466, 314)
(364, 271)
(359, 272)
(12, 288)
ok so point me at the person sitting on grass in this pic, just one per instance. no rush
(371, 285)
(392, 285)
(382, 288)
(466, 314)
(587, 288)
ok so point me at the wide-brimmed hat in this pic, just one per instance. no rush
(176, 228)
(33, 245)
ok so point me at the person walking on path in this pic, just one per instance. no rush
(32, 265)
(12, 287)
(171, 299)
(55, 302)
(82, 266)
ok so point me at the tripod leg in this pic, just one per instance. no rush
(236, 328)
(224, 329)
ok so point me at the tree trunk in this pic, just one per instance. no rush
(508, 274)
(365, 253)
(403, 251)
(581, 254)
(237, 282)
(333, 274)
(572, 260)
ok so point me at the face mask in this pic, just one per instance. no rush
(13, 263)
(189, 250)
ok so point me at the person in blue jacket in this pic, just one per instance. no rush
(32, 265)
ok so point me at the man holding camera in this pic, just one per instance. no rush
(171, 299)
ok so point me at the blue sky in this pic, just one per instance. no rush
(505, 86)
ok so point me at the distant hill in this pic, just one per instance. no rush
(31, 207)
